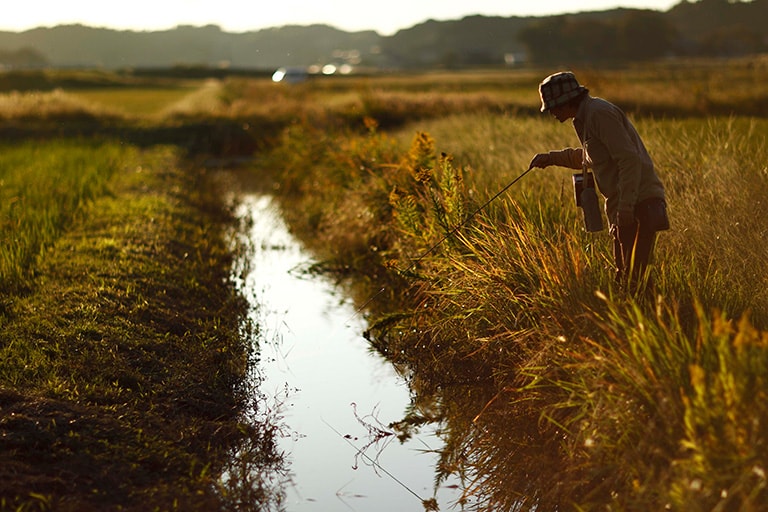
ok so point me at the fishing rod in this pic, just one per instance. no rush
(373, 297)
(447, 235)
(469, 217)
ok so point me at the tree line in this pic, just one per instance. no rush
(637, 35)
(708, 28)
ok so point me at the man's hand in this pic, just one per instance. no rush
(541, 161)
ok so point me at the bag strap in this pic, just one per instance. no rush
(584, 170)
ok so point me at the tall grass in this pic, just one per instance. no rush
(715, 174)
(645, 407)
(557, 391)
(56, 105)
(42, 187)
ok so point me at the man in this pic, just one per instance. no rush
(624, 172)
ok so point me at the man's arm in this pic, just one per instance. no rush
(568, 157)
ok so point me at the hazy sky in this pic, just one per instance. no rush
(384, 16)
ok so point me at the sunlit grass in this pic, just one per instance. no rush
(581, 396)
(51, 106)
(632, 402)
(42, 188)
(702, 162)
(656, 399)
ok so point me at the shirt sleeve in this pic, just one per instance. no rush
(568, 157)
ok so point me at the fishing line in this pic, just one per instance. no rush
(375, 463)
(443, 239)
(469, 217)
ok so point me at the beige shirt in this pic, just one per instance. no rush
(623, 169)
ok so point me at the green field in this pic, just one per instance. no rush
(555, 390)
(124, 345)
(138, 101)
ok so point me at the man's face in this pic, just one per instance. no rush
(561, 113)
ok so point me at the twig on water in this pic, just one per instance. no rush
(430, 504)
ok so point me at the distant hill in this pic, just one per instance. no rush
(471, 41)
(81, 46)
(705, 27)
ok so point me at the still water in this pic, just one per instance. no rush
(334, 394)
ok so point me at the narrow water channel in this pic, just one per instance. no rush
(332, 389)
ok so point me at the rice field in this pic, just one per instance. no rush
(124, 348)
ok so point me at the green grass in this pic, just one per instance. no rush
(137, 101)
(43, 188)
(123, 361)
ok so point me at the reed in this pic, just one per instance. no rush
(620, 397)
(715, 175)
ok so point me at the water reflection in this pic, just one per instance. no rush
(316, 364)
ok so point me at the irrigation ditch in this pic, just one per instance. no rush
(338, 401)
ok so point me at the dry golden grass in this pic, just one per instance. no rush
(513, 332)
(57, 104)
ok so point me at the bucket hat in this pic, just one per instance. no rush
(558, 89)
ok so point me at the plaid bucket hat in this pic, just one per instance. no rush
(558, 89)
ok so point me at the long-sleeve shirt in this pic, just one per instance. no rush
(623, 170)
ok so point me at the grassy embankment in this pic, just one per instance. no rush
(556, 390)
(123, 347)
